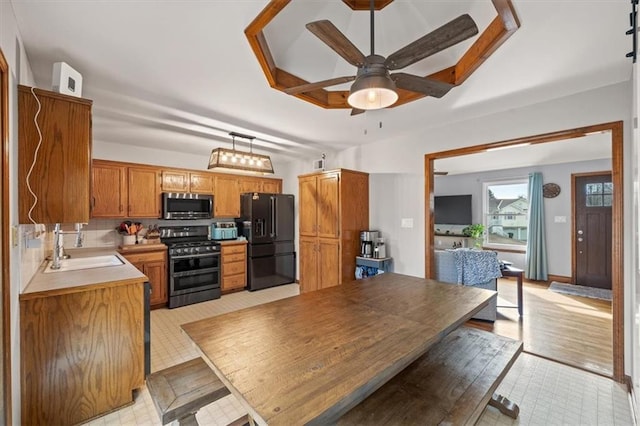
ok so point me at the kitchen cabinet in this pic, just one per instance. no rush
(234, 265)
(82, 350)
(319, 263)
(61, 174)
(227, 196)
(121, 191)
(152, 262)
(333, 209)
(185, 181)
(175, 181)
(109, 190)
(272, 186)
(131, 190)
(201, 183)
(143, 192)
(248, 184)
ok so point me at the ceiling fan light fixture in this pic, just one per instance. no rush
(373, 88)
(372, 92)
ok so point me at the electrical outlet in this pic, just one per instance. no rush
(406, 223)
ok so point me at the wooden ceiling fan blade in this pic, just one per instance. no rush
(332, 37)
(446, 36)
(427, 86)
(356, 111)
(318, 85)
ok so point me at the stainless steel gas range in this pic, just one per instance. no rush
(194, 264)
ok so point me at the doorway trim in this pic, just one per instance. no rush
(617, 246)
(5, 233)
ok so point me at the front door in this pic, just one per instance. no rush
(593, 195)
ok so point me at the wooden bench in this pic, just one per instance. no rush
(178, 392)
(450, 384)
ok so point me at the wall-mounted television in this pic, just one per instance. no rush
(452, 209)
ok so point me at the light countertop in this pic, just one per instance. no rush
(79, 280)
(231, 242)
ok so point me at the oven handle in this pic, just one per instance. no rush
(196, 272)
(194, 256)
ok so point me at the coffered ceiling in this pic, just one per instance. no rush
(179, 75)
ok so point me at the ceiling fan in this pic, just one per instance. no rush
(374, 86)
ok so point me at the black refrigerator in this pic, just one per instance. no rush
(267, 221)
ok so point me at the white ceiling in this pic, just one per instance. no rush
(179, 75)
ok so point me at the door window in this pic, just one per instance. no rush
(598, 194)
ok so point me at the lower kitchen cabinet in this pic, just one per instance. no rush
(82, 351)
(234, 265)
(319, 263)
(153, 263)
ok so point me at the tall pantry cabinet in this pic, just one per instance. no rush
(334, 208)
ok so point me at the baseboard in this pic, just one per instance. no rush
(632, 399)
(559, 278)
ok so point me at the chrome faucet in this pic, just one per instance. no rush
(58, 244)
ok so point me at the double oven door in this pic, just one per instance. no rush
(193, 278)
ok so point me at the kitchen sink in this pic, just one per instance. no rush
(78, 263)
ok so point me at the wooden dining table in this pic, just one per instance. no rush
(313, 357)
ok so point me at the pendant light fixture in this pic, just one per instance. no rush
(232, 159)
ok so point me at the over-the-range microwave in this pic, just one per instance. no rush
(186, 206)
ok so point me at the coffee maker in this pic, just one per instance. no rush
(367, 239)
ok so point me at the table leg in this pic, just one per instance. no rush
(520, 293)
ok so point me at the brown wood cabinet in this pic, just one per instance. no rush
(234, 266)
(333, 209)
(138, 188)
(273, 186)
(109, 190)
(185, 181)
(82, 352)
(175, 181)
(143, 192)
(61, 171)
(227, 196)
(152, 263)
(201, 182)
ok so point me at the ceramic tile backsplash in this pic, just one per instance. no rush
(30, 257)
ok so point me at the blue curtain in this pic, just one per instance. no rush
(536, 264)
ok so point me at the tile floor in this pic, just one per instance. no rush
(548, 393)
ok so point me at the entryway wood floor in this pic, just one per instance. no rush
(570, 329)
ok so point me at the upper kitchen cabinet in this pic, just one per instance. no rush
(201, 183)
(250, 184)
(175, 181)
(272, 186)
(120, 190)
(109, 190)
(185, 181)
(333, 209)
(143, 193)
(227, 196)
(60, 161)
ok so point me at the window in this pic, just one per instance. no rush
(505, 207)
(599, 194)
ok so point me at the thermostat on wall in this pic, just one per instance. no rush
(66, 80)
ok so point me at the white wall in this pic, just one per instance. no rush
(19, 72)
(558, 235)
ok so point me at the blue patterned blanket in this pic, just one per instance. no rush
(476, 266)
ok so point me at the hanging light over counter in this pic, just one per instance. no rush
(232, 159)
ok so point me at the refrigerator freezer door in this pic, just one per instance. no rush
(271, 271)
